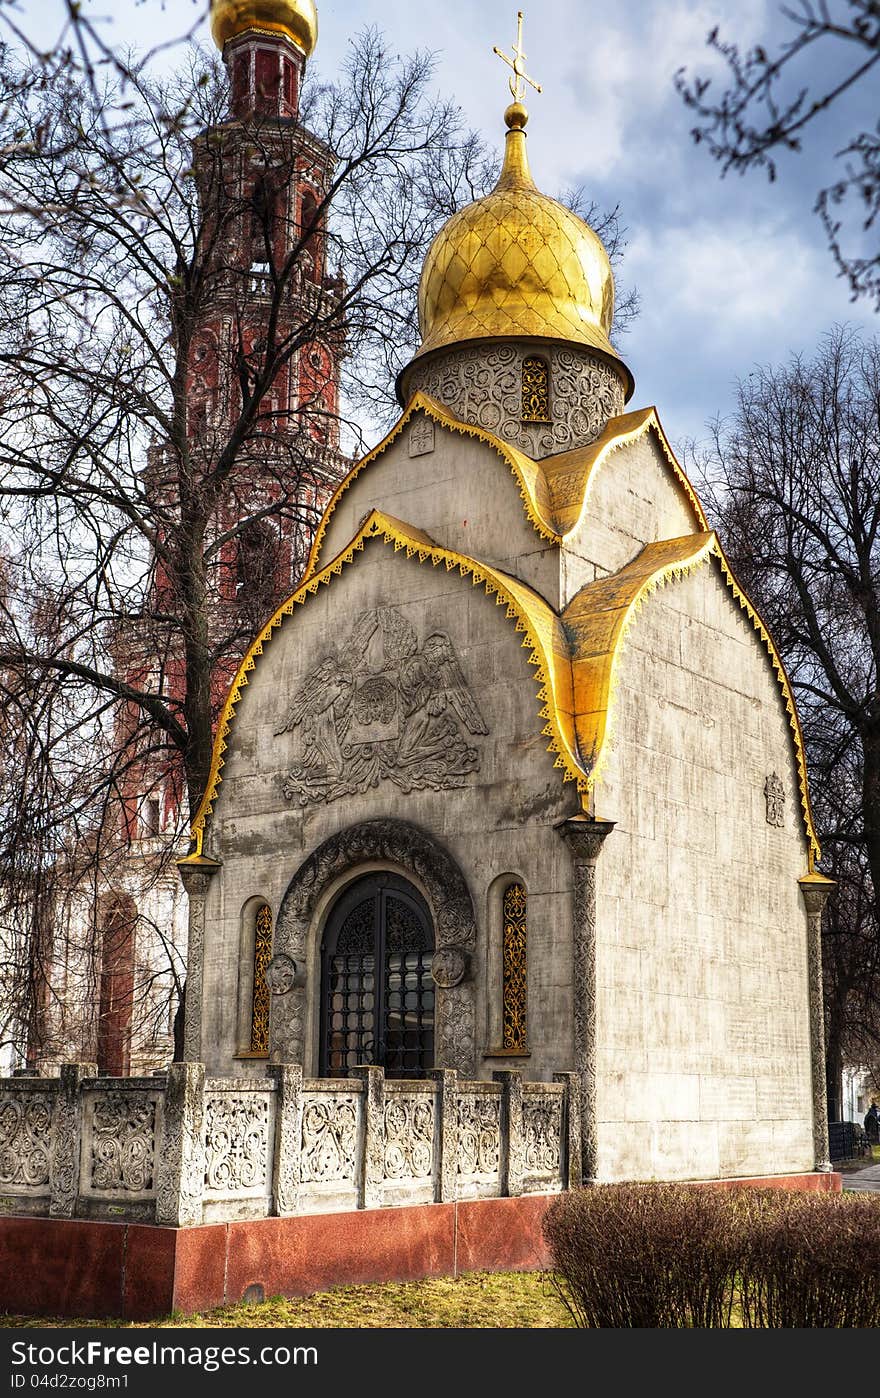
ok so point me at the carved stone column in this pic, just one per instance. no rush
(67, 1119)
(196, 876)
(815, 889)
(180, 1175)
(585, 838)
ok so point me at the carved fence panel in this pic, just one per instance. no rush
(543, 1144)
(478, 1154)
(26, 1111)
(410, 1157)
(180, 1149)
(331, 1147)
(239, 1122)
(121, 1126)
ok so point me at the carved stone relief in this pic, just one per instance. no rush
(542, 1134)
(479, 1134)
(25, 1127)
(409, 1137)
(383, 706)
(236, 1142)
(281, 975)
(329, 1138)
(449, 967)
(483, 385)
(123, 1142)
(774, 794)
(421, 436)
(384, 842)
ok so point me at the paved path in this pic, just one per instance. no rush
(863, 1179)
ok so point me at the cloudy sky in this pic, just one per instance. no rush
(731, 272)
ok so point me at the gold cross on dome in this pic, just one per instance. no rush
(520, 76)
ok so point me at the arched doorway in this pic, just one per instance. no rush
(377, 992)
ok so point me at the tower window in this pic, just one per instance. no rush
(535, 390)
(514, 983)
(257, 564)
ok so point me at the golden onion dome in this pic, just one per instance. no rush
(297, 20)
(517, 263)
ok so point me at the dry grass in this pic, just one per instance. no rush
(476, 1301)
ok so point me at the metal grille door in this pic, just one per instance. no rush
(377, 992)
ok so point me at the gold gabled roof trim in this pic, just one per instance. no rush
(570, 474)
(575, 656)
(542, 635)
(596, 621)
(527, 473)
(554, 490)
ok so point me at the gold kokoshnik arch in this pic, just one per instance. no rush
(575, 655)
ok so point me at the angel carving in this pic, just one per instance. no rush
(436, 701)
(323, 708)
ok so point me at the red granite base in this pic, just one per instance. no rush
(91, 1270)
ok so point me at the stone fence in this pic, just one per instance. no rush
(178, 1148)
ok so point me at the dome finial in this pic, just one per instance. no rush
(516, 115)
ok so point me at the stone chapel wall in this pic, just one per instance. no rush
(633, 500)
(460, 492)
(704, 1042)
(500, 821)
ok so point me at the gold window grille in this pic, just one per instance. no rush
(535, 390)
(262, 957)
(514, 984)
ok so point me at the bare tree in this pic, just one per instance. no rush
(153, 513)
(147, 508)
(793, 480)
(832, 47)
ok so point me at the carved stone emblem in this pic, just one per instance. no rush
(449, 967)
(281, 974)
(421, 437)
(383, 706)
(774, 792)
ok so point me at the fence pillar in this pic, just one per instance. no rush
(512, 1163)
(445, 1134)
(570, 1145)
(372, 1173)
(288, 1137)
(180, 1180)
(67, 1119)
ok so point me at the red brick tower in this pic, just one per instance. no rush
(262, 181)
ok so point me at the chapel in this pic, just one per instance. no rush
(514, 780)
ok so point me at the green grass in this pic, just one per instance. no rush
(476, 1301)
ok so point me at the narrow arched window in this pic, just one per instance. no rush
(118, 915)
(257, 566)
(535, 389)
(514, 966)
(311, 233)
(260, 1003)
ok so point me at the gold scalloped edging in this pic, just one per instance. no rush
(597, 621)
(603, 685)
(569, 695)
(528, 473)
(542, 632)
(585, 461)
(815, 852)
